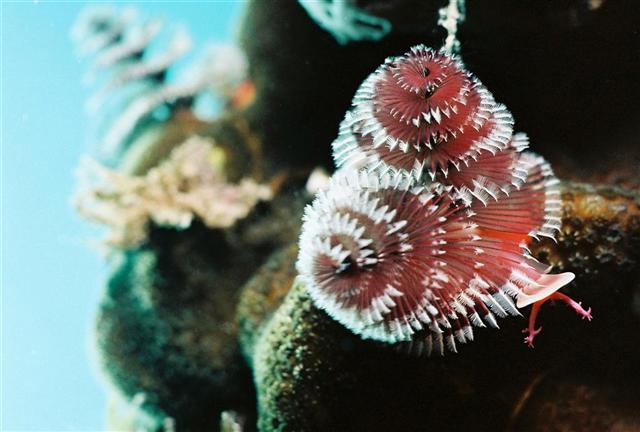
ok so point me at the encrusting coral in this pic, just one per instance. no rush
(263, 294)
(304, 361)
(165, 326)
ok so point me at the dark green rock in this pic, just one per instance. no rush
(166, 329)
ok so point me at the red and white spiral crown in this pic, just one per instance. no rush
(421, 110)
(399, 257)
(396, 262)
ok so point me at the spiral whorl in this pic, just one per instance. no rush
(421, 110)
(399, 256)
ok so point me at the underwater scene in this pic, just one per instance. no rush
(322, 215)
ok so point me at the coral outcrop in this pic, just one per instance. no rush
(165, 327)
(307, 366)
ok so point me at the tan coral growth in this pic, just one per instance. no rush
(189, 184)
(600, 231)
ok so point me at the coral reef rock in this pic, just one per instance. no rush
(166, 329)
(313, 374)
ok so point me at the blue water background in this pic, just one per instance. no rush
(51, 278)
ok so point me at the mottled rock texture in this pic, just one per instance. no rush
(600, 242)
(263, 294)
(165, 327)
